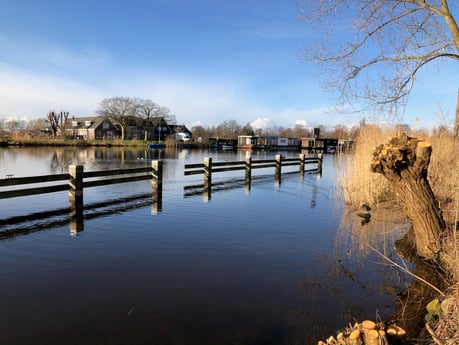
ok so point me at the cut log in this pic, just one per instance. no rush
(396, 331)
(354, 338)
(368, 325)
(372, 337)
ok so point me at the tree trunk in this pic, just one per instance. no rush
(404, 162)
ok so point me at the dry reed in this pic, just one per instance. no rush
(360, 185)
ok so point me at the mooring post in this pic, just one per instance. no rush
(248, 173)
(156, 186)
(278, 168)
(76, 186)
(76, 198)
(157, 175)
(302, 163)
(207, 178)
(319, 163)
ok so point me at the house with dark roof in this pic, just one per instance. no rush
(102, 127)
(155, 129)
(92, 128)
(181, 132)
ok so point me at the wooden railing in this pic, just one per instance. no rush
(77, 180)
(209, 167)
(76, 183)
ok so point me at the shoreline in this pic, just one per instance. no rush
(92, 143)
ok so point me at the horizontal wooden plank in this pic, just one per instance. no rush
(33, 191)
(194, 172)
(228, 169)
(262, 161)
(15, 181)
(262, 166)
(220, 164)
(114, 172)
(194, 166)
(115, 181)
(290, 164)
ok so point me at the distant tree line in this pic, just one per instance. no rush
(128, 110)
(231, 129)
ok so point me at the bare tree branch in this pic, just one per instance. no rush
(374, 60)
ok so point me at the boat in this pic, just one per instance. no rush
(155, 146)
(222, 147)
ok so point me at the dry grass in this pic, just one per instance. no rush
(359, 184)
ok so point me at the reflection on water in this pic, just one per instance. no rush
(45, 220)
(258, 266)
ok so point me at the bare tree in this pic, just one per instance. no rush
(121, 109)
(57, 122)
(37, 124)
(392, 41)
(229, 129)
(126, 109)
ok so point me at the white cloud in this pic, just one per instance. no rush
(262, 123)
(302, 123)
(33, 95)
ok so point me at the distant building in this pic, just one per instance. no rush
(326, 145)
(267, 142)
(181, 132)
(102, 127)
(92, 128)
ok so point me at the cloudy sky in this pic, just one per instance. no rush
(206, 60)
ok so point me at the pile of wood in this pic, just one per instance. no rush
(367, 333)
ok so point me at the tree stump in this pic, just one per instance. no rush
(404, 162)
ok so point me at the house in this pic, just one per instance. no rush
(269, 142)
(92, 128)
(155, 129)
(327, 145)
(316, 143)
(181, 132)
(135, 128)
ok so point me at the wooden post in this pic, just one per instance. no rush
(319, 163)
(207, 178)
(248, 173)
(278, 172)
(76, 198)
(302, 163)
(76, 186)
(156, 186)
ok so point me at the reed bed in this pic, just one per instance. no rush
(359, 184)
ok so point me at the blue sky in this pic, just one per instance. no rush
(206, 60)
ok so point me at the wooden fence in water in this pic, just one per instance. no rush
(209, 167)
(76, 182)
(78, 179)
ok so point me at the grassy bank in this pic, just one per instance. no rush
(82, 143)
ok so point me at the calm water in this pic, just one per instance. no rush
(264, 266)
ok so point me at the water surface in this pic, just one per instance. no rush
(245, 267)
